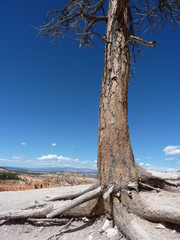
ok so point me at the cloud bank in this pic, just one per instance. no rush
(171, 150)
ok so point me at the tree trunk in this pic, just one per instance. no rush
(115, 157)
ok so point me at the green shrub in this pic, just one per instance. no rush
(8, 176)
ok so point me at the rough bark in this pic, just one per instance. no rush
(115, 157)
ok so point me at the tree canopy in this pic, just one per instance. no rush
(83, 17)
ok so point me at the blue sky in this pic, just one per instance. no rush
(49, 96)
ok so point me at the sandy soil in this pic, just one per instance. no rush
(82, 230)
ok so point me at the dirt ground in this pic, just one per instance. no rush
(83, 229)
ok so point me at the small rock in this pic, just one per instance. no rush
(90, 237)
(160, 226)
(84, 219)
(111, 232)
(173, 231)
(106, 225)
(41, 228)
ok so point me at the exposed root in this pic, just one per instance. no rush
(47, 222)
(126, 224)
(125, 204)
(147, 186)
(90, 209)
(108, 193)
(24, 214)
(77, 201)
(72, 195)
(158, 179)
(77, 207)
(151, 211)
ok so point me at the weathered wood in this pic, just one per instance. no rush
(75, 202)
(126, 224)
(30, 213)
(159, 179)
(72, 195)
(115, 157)
(108, 193)
(142, 41)
(147, 186)
(166, 176)
(151, 211)
(47, 222)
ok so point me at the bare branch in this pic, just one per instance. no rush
(142, 41)
(78, 16)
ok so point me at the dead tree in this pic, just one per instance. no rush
(120, 180)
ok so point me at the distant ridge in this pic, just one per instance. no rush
(89, 172)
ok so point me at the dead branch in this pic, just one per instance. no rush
(62, 230)
(77, 16)
(47, 222)
(142, 41)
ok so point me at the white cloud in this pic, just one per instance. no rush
(61, 158)
(48, 157)
(17, 157)
(57, 158)
(53, 144)
(3, 159)
(138, 159)
(151, 167)
(170, 158)
(171, 150)
(141, 164)
(148, 157)
(23, 143)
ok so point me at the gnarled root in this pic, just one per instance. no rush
(149, 210)
(75, 202)
(129, 208)
(166, 181)
(53, 209)
(126, 224)
(28, 213)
